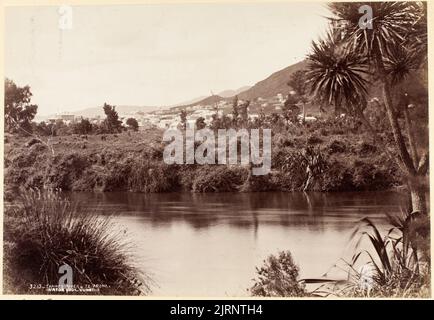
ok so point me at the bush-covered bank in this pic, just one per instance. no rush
(43, 232)
(132, 161)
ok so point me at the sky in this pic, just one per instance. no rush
(155, 54)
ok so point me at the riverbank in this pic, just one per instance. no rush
(133, 161)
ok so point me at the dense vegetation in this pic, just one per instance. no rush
(44, 231)
(132, 161)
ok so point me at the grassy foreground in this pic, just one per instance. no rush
(43, 232)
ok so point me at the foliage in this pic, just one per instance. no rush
(183, 116)
(402, 260)
(43, 231)
(43, 129)
(235, 112)
(111, 123)
(219, 179)
(298, 83)
(82, 127)
(200, 123)
(336, 74)
(132, 124)
(290, 109)
(244, 116)
(396, 264)
(19, 112)
(125, 162)
(278, 277)
(151, 176)
(342, 65)
(393, 23)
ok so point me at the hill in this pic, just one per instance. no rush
(203, 99)
(274, 84)
(232, 93)
(271, 86)
(190, 102)
(207, 101)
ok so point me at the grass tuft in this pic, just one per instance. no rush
(43, 231)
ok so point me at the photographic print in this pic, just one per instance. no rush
(232, 150)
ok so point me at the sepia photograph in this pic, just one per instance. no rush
(216, 150)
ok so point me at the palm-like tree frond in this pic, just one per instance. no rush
(392, 23)
(401, 61)
(336, 75)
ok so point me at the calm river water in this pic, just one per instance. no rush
(210, 244)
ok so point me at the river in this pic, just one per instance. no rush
(209, 244)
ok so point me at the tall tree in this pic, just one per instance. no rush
(200, 123)
(235, 112)
(390, 50)
(19, 112)
(111, 123)
(290, 109)
(82, 127)
(183, 116)
(243, 113)
(298, 83)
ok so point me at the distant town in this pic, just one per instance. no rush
(169, 117)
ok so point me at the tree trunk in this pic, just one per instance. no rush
(304, 114)
(396, 130)
(417, 194)
(411, 138)
(393, 117)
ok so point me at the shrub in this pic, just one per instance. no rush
(278, 277)
(400, 270)
(258, 183)
(82, 127)
(150, 176)
(26, 167)
(324, 132)
(366, 176)
(336, 146)
(365, 148)
(187, 175)
(337, 177)
(396, 264)
(281, 141)
(32, 142)
(65, 169)
(219, 179)
(313, 139)
(132, 124)
(292, 169)
(44, 231)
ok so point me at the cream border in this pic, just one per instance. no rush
(6, 3)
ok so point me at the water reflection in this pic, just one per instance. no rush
(210, 244)
(247, 210)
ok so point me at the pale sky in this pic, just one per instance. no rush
(153, 54)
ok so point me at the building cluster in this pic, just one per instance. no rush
(171, 117)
